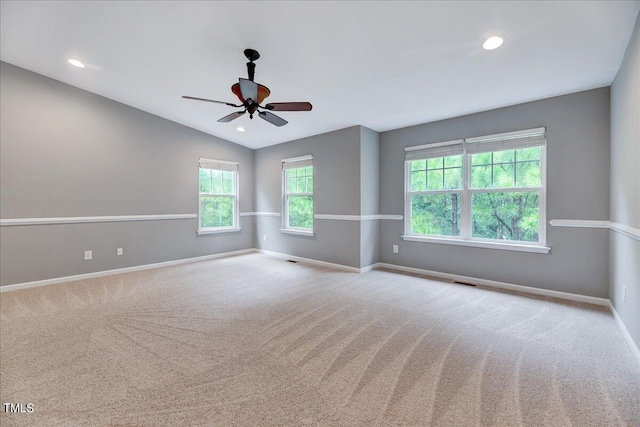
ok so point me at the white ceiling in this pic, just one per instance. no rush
(384, 65)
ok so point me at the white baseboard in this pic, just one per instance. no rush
(369, 267)
(57, 280)
(625, 332)
(312, 261)
(501, 285)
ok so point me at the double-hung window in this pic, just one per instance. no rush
(218, 182)
(476, 191)
(297, 177)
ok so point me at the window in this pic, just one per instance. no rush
(297, 176)
(486, 189)
(218, 182)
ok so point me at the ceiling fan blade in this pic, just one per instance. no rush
(272, 118)
(231, 116)
(210, 100)
(289, 106)
(249, 90)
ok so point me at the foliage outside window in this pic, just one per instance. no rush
(218, 189)
(478, 189)
(298, 194)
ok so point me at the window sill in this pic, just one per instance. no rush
(476, 244)
(297, 232)
(219, 230)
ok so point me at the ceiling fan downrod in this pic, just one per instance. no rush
(252, 55)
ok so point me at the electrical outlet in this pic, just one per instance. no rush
(624, 293)
(395, 249)
(88, 255)
(264, 238)
(119, 251)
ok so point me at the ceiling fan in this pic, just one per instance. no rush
(251, 95)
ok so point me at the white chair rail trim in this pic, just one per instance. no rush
(357, 217)
(89, 219)
(626, 230)
(259, 213)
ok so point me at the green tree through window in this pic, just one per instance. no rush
(218, 195)
(487, 194)
(298, 183)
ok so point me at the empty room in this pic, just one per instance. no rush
(358, 213)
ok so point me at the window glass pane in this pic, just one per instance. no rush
(434, 179)
(506, 216)
(418, 181)
(435, 214)
(532, 153)
(216, 211)
(452, 178)
(227, 186)
(308, 171)
(480, 176)
(291, 185)
(418, 165)
(528, 174)
(216, 181)
(310, 184)
(300, 211)
(503, 176)
(481, 159)
(503, 156)
(452, 161)
(205, 180)
(434, 163)
(300, 184)
(292, 172)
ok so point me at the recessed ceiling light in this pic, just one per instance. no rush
(240, 129)
(75, 63)
(493, 42)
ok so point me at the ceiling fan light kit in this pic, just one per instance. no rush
(251, 96)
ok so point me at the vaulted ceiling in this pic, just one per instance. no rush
(380, 64)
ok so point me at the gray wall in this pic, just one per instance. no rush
(624, 257)
(578, 188)
(66, 152)
(369, 195)
(336, 161)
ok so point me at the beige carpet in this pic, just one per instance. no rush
(254, 340)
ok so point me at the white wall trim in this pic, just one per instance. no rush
(369, 267)
(500, 285)
(220, 230)
(626, 230)
(311, 261)
(625, 332)
(357, 217)
(391, 217)
(76, 277)
(338, 217)
(260, 214)
(480, 244)
(581, 223)
(298, 232)
(89, 219)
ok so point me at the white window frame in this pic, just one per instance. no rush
(285, 197)
(466, 194)
(236, 199)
